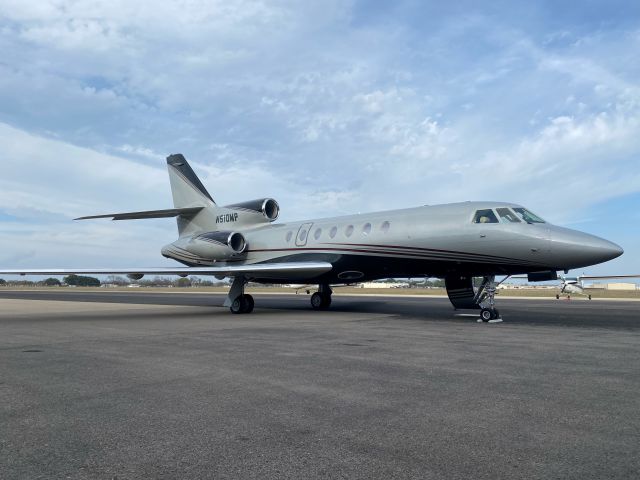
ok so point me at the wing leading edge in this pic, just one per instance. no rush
(602, 277)
(260, 270)
(166, 213)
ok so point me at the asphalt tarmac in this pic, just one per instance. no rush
(139, 385)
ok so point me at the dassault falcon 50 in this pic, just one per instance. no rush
(457, 242)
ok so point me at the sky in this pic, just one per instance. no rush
(330, 107)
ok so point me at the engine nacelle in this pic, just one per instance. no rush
(267, 207)
(218, 245)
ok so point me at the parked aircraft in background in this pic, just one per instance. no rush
(456, 242)
(575, 285)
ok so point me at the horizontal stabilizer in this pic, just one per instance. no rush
(169, 212)
(258, 270)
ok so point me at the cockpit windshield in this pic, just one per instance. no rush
(485, 216)
(506, 215)
(528, 216)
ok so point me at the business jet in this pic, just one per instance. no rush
(457, 242)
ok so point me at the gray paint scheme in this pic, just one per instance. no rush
(435, 241)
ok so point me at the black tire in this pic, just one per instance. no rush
(486, 314)
(326, 301)
(496, 314)
(237, 306)
(249, 303)
(317, 301)
(557, 297)
(589, 297)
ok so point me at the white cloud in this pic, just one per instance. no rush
(329, 107)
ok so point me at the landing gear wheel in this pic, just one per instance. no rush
(486, 314)
(327, 301)
(320, 301)
(236, 305)
(316, 301)
(249, 303)
(557, 297)
(589, 297)
(242, 304)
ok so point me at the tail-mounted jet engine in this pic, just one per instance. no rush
(267, 207)
(218, 245)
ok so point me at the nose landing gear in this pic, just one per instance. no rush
(485, 299)
(463, 295)
(486, 314)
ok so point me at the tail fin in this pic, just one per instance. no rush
(194, 208)
(188, 191)
(186, 187)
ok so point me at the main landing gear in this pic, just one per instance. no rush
(485, 299)
(237, 300)
(243, 304)
(321, 300)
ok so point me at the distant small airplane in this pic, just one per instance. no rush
(575, 285)
(457, 242)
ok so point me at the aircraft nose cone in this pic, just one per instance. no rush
(615, 250)
(576, 249)
(601, 250)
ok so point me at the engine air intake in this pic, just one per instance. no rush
(232, 242)
(267, 207)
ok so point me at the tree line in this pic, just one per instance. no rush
(113, 280)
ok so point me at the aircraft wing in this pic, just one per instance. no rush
(588, 277)
(602, 277)
(166, 213)
(258, 270)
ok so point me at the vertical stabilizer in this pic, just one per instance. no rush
(185, 185)
(188, 191)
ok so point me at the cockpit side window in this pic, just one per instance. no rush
(485, 216)
(506, 215)
(528, 216)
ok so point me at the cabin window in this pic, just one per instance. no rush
(303, 236)
(385, 226)
(485, 216)
(366, 229)
(506, 215)
(289, 236)
(317, 233)
(333, 231)
(528, 216)
(349, 231)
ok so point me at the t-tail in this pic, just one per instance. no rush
(195, 209)
(189, 192)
